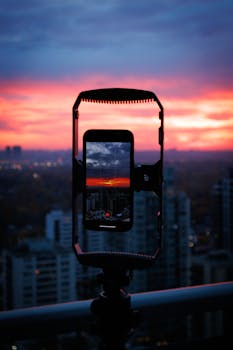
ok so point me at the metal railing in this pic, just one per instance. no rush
(67, 317)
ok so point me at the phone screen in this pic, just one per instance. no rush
(108, 172)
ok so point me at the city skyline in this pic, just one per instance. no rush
(179, 50)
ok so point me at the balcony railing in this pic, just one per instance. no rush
(54, 319)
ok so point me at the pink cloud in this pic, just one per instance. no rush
(38, 114)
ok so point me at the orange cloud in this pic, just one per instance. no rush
(38, 115)
(205, 123)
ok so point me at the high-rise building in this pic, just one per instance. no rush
(173, 266)
(58, 227)
(39, 272)
(222, 213)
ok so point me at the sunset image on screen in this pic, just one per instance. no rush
(109, 182)
(108, 189)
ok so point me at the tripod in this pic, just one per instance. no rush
(116, 320)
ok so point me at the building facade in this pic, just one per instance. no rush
(38, 272)
(222, 213)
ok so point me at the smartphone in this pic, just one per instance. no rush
(108, 162)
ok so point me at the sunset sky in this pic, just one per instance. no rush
(53, 50)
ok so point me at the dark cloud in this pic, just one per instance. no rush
(112, 157)
(49, 39)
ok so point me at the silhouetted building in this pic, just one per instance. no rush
(173, 267)
(222, 213)
(13, 152)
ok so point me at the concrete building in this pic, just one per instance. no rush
(39, 272)
(173, 266)
(58, 227)
(222, 213)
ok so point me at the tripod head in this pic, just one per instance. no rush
(116, 321)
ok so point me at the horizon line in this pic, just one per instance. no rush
(136, 151)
